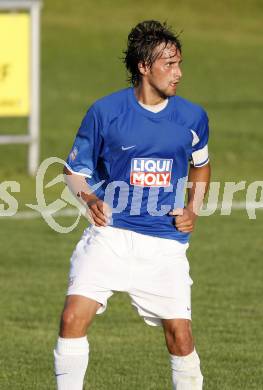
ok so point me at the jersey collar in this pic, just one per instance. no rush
(144, 111)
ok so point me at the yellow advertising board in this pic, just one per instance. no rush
(14, 64)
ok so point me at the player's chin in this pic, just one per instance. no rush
(171, 90)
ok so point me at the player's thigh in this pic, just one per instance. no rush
(77, 315)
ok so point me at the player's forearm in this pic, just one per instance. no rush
(199, 179)
(79, 187)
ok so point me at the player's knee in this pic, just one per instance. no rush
(184, 343)
(180, 342)
(72, 323)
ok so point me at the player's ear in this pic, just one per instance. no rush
(143, 68)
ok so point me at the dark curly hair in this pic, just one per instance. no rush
(142, 40)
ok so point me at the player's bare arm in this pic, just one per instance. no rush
(97, 210)
(199, 177)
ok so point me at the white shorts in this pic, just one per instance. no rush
(153, 271)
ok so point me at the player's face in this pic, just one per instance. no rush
(165, 73)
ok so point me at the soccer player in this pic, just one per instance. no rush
(138, 146)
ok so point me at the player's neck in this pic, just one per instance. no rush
(146, 95)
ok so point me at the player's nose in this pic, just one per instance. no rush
(179, 73)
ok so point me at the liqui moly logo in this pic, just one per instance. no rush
(151, 172)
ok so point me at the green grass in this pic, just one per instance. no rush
(82, 43)
(126, 353)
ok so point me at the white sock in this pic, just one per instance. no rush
(71, 362)
(186, 372)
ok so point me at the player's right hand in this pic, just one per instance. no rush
(98, 212)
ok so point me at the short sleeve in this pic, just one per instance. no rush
(200, 133)
(87, 146)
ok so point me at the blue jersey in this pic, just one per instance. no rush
(142, 157)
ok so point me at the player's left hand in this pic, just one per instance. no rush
(184, 219)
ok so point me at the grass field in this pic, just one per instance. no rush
(223, 61)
